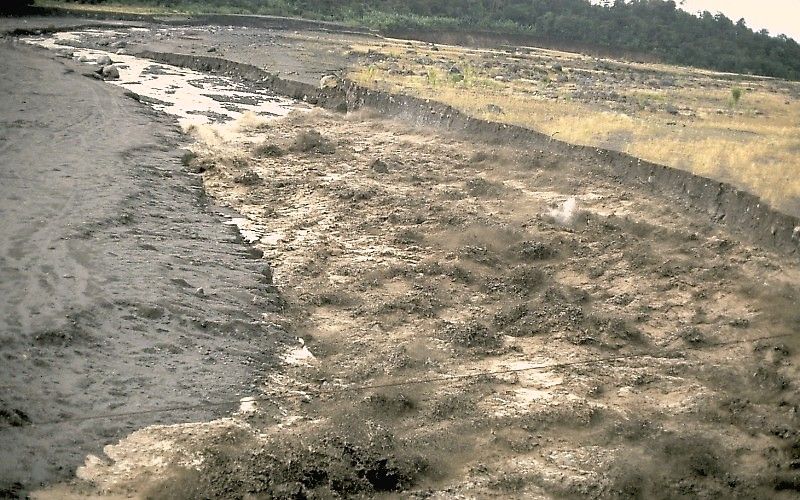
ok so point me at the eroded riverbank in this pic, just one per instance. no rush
(483, 320)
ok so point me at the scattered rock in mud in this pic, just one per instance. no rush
(480, 187)
(532, 250)
(471, 335)
(110, 72)
(522, 281)
(268, 150)
(308, 141)
(692, 336)
(248, 178)
(613, 333)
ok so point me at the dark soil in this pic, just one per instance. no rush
(106, 242)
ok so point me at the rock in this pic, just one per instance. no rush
(557, 67)
(248, 178)
(266, 272)
(328, 82)
(494, 108)
(212, 49)
(110, 72)
(121, 52)
(500, 78)
(83, 59)
(455, 70)
(104, 60)
(379, 166)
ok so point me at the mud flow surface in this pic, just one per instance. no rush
(480, 321)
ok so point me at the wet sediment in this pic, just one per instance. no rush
(720, 202)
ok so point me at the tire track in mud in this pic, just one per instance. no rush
(122, 290)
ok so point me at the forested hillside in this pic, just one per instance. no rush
(654, 27)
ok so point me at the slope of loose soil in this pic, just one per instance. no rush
(606, 320)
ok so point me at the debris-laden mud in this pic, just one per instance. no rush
(611, 331)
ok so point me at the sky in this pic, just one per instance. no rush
(778, 16)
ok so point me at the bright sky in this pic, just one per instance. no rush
(778, 16)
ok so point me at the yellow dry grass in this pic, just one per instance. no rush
(119, 7)
(754, 144)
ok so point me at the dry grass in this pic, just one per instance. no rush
(106, 7)
(692, 124)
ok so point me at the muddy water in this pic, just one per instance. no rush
(193, 97)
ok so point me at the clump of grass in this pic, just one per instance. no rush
(736, 95)
(432, 77)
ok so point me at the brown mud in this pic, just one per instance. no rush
(486, 314)
(716, 201)
(408, 254)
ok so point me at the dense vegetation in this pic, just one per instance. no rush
(15, 6)
(654, 27)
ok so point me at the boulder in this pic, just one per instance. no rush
(104, 60)
(328, 82)
(494, 108)
(110, 72)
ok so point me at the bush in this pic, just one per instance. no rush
(736, 95)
